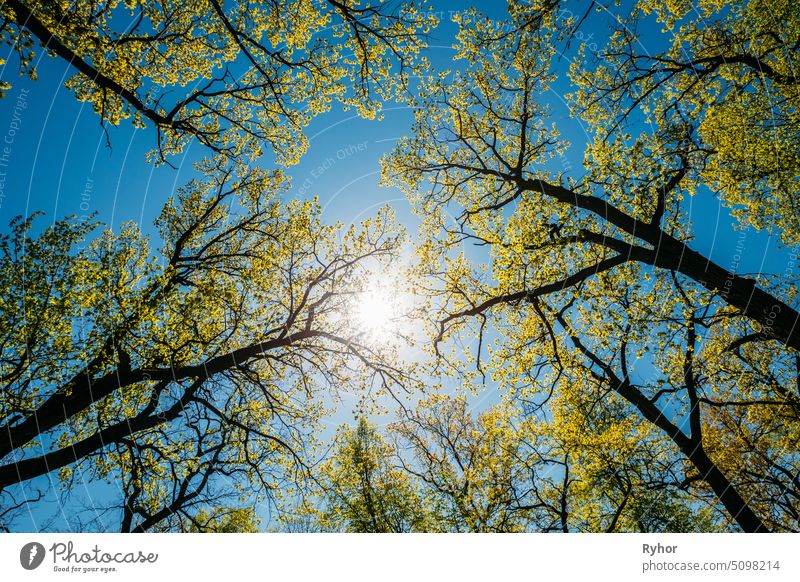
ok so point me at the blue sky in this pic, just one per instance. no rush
(60, 164)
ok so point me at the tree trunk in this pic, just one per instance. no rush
(736, 506)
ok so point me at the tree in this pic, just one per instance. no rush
(233, 76)
(472, 469)
(595, 467)
(592, 278)
(190, 374)
(202, 361)
(362, 491)
(225, 521)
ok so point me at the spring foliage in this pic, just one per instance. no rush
(643, 386)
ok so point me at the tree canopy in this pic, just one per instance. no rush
(592, 273)
(174, 367)
(235, 77)
(639, 384)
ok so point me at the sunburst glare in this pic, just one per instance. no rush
(376, 311)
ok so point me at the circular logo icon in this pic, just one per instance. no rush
(31, 555)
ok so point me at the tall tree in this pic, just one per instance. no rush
(361, 488)
(172, 369)
(593, 279)
(472, 469)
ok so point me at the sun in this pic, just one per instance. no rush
(376, 312)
